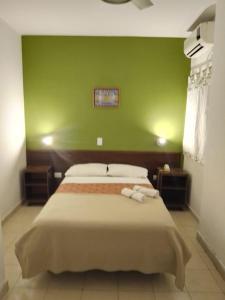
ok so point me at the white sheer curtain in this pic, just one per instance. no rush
(196, 112)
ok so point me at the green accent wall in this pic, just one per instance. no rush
(60, 73)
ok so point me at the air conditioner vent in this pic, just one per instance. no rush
(195, 50)
(201, 40)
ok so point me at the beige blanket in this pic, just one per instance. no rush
(79, 232)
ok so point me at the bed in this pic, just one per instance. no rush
(87, 224)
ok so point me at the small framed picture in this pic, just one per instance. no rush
(106, 97)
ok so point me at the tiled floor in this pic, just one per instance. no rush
(202, 280)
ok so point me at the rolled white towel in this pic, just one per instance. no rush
(133, 194)
(138, 197)
(127, 192)
(146, 191)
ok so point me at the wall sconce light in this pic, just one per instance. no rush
(47, 140)
(161, 141)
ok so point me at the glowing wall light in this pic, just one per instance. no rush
(165, 129)
(47, 140)
(161, 141)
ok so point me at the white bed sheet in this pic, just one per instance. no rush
(106, 179)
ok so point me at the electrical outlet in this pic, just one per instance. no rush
(154, 177)
(99, 141)
(58, 174)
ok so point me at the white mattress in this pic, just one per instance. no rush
(105, 179)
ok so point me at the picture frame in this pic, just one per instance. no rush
(106, 97)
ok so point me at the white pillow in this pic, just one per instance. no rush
(92, 169)
(121, 170)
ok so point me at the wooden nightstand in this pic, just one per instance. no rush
(174, 187)
(37, 184)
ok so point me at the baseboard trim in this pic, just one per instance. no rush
(217, 263)
(11, 212)
(4, 289)
(193, 213)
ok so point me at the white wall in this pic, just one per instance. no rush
(2, 268)
(212, 220)
(12, 132)
(196, 171)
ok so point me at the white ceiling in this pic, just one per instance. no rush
(167, 18)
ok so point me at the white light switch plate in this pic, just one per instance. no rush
(99, 141)
(58, 174)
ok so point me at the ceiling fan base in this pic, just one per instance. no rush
(116, 1)
(141, 4)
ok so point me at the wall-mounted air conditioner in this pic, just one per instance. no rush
(201, 40)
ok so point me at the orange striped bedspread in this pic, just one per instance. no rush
(96, 188)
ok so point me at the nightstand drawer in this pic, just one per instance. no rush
(174, 198)
(174, 181)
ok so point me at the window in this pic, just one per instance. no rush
(196, 113)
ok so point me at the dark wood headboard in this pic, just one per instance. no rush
(61, 160)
